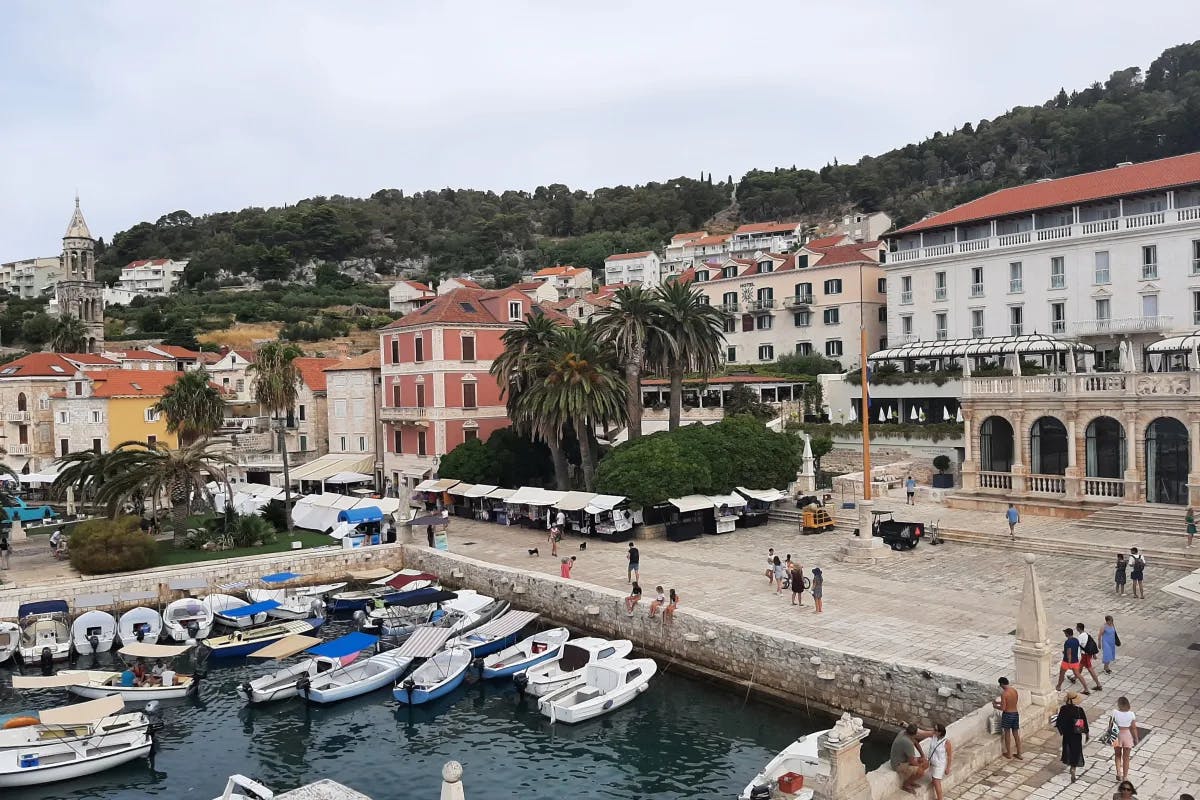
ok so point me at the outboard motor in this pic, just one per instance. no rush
(47, 661)
(317, 607)
(153, 712)
(18, 661)
(302, 685)
(521, 680)
(248, 691)
(192, 628)
(140, 632)
(360, 619)
(409, 685)
(94, 641)
(760, 792)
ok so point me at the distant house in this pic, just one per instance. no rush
(184, 358)
(567, 281)
(767, 237)
(408, 296)
(450, 284)
(539, 291)
(148, 277)
(643, 267)
(142, 359)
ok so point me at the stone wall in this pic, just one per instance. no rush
(803, 670)
(843, 458)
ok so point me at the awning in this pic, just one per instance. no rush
(350, 477)
(388, 505)
(1030, 344)
(575, 501)
(462, 489)
(400, 581)
(533, 496)
(345, 645)
(420, 597)
(731, 500)
(361, 514)
(501, 494)
(329, 465)
(505, 625)
(280, 577)
(83, 713)
(604, 502)
(443, 485)
(43, 607)
(479, 490)
(764, 495)
(691, 502)
(59, 681)
(287, 646)
(424, 642)
(145, 650)
(426, 486)
(251, 609)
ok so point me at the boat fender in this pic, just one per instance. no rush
(46, 660)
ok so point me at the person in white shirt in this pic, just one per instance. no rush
(1127, 736)
(168, 677)
(939, 752)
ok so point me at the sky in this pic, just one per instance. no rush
(149, 107)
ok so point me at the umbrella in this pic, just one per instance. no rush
(966, 366)
(70, 501)
(892, 414)
(913, 416)
(958, 416)
(882, 415)
(945, 414)
(921, 415)
(853, 415)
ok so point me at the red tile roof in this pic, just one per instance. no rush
(707, 240)
(147, 262)
(458, 307)
(175, 351)
(418, 286)
(826, 241)
(867, 252)
(312, 371)
(767, 227)
(782, 263)
(38, 365)
(131, 382)
(1165, 173)
(528, 286)
(680, 238)
(368, 360)
(140, 355)
(466, 283)
(628, 256)
(550, 272)
(90, 359)
(688, 274)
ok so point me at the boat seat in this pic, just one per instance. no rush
(588, 693)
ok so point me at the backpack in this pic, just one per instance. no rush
(1091, 647)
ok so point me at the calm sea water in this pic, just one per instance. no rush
(681, 739)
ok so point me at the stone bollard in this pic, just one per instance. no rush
(1032, 654)
(841, 751)
(452, 788)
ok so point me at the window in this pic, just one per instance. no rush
(43, 402)
(1015, 284)
(420, 395)
(419, 348)
(766, 266)
(1149, 306)
(729, 301)
(22, 402)
(395, 351)
(1016, 320)
(702, 276)
(341, 444)
(731, 351)
(883, 313)
(1058, 317)
(1058, 273)
(97, 416)
(96, 446)
(939, 286)
(1196, 308)
(151, 415)
(303, 443)
(906, 290)
(514, 313)
(470, 434)
(766, 352)
(832, 316)
(302, 411)
(977, 323)
(833, 286)
(339, 408)
(64, 417)
(1102, 275)
(803, 292)
(469, 395)
(64, 446)
(421, 443)
(729, 272)
(802, 319)
(1196, 256)
(241, 385)
(397, 442)
(882, 285)
(358, 409)
(1103, 309)
(766, 298)
(152, 440)
(730, 325)
(1150, 262)
(906, 325)
(939, 325)
(976, 281)
(833, 348)
(704, 300)
(804, 348)
(763, 323)
(468, 348)
(396, 395)
(78, 388)
(802, 261)
(362, 444)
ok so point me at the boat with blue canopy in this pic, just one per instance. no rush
(295, 602)
(381, 594)
(358, 678)
(321, 657)
(45, 633)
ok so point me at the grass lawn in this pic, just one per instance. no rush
(168, 555)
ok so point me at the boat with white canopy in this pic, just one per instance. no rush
(187, 619)
(604, 687)
(44, 630)
(550, 676)
(406, 613)
(248, 640)
(294, 602)
(139, 624)
(167, 684)
(10, 638)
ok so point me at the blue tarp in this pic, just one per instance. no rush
(419, 597)
(361, 514)
(250, 610)
(43, 607)
(280, 577)
(344, 645)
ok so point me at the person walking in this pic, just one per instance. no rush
(770, 564)
(780, 572)
(1072, 726)
(1122, 566)
(939, 753)
(633, 573)
(1109, 642)
(818, 590)
(554, 536)
(1189, 521)
(1010, 719)
(1013, 517)
(1127, 736)
(1070, 660)
(1088, 647)
(910, 490)
(796, 578)
(1137, 570)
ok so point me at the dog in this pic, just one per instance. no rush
(583, 545)
(533, 551)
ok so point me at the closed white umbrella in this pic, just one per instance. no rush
(921, 415)
(853, 414)
(882, 415)
(945, 414)
(958, 416)
(70, 501)
(913, 416)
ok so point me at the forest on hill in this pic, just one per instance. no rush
(1135, 115)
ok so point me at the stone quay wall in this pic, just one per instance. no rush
(780, 664)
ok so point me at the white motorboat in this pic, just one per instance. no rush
(10, 639)
(528, 652)
(384, 592)
(219, 603)
(44, 630)
(72, 741)
(576, 654)
(93, 632)
(187, 619)
(399, 617)
(362, 676)
(139, 624)
(799, 758)
(295, 602)
(605, 686)
(467, 611)
(164, 683)
(323, 657)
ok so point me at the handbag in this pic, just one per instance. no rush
(1116, 638)
(1111, 734)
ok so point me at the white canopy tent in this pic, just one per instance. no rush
(733, 500)
(501, 494)
(691, 502)
(762, 495)
(343, 478)
(479, 490)
(331, 464)
(574, 501)
(603, 502)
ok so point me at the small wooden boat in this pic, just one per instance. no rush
(10, 638)
(244, 642)
(139, 624)
(363, 676)
(93, 632)
(536, 649)
(187, 619)
(552, 675)
(606, 685)
(72, 741)
(435, 678)
(221, 603)
(800, 758)
(44, 629)
(323, 657)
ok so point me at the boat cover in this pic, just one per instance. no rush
(691, 502)
(144, 650)
(765, 495)
(400, 581)
(345, 645)
(575, 501)
(287, 646)
(43, 607)
(83, 713)
(420, 597)
(370, 574)
(95, 600)
(504, 625)
(280, 577)
(479, 490)
(424, 642)
(59, 681)
(250, 610)
(360, 514)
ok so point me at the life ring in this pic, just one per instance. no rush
(20, 722)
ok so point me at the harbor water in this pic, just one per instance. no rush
(682, 738)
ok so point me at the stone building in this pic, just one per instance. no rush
(352, 403)
(77, 292)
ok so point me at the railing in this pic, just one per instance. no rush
(1187, 214)
(906, 298)
(17, 449)
(942, 333)
(1145, 220)
(939, 293)
(403, 412)
(1100, 226)
(1096, 327)
(729, 308)
(1181, 385)
(1058, 281)
(16, 416)
(899, 256)
(939, 250)
(1016, 286)
(798, 300)
(1103, 487)
(761, 305)
(1010, 239)
(1050, 234)
(973, 245)
(1149, 272)
(976, 290)
(1046, 484)
(1058, 326)
(995, 480)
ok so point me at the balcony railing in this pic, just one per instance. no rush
(16, 416)
(729, 308)
(1058, 326)
(995, 480)
(1101, 327)
(17, 449)
(976, 290)
(906, 298)
(798, 300)
(1046, 484)
(1016, 286)
(939, 293)
(403, 413)
(765, 305)
(1185, 386)
(1103, 487)
(1058, 281)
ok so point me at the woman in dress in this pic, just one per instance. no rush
(780, 572)
(1127, 736)
(1189, 520)
(796, 576)
(1120, 577)
(939, 753)
(1109, 642)
(818, 589)
(1072, 726)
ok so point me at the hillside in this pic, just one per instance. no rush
(1133, 116)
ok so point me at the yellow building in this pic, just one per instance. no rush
(101, 409)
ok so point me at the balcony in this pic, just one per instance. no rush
(906, 298)
(1016, 286)
(729, 308)
(763, 306)
(795, 301)
(18, 449)
(976, 290)
(403, 413)
(939, 293)
(16, 416)
(1119, 325)
(1183, 386)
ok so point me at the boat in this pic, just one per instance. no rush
(386, 592)
(536, 649)
(239, 787)
(10, 639)
(435, 678)
(297, 602)
(73, 741)
(605, 686)
(44, 630)
(550, 676)
(798, 758)
(283, 683)
(139, 624)
(495, 635)
(416, 607)
(363, 676)
(218, 604)
(187, 619)
(246, 641)
(93, 632)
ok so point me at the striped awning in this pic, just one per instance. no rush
(424, 642)
(505, 624)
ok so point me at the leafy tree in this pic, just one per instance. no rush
(69, 335)
(743, 400)
(796, 364)
(182, 334)
(693, 333)
(651, 469)
(820, 446)
(84, 471)
(471, 462)
(520, 461)
(631, 325)
(36, 329)
(192, 405)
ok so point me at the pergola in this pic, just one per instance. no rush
(950, 351)
(1174, 354)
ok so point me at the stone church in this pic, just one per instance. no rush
(78, 293)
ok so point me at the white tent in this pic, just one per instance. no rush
(604, 502)
(342, 478)
(479, 490)
(733, 500)
(762, 495)
(533, 496)
(319, 512)
(691, 502)
(574, 501)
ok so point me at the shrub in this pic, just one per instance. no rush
(106, 545)
(941, 463)
(253, 530)
(276, 514)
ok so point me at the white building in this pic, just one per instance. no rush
(353, 391)
(567, 281)
(30, 277)
(450, 284)
(862, 227)
(407, 296)
(1103, 257)
(766, 237)
(644, 268)
(148, 277)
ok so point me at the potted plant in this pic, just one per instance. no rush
(942, 480)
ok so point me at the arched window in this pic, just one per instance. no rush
(1048, 447)
(22, 403)
(1105, 448)
(995, 445)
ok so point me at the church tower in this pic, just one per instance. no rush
(77, 291)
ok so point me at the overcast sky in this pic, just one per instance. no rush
(147, 107)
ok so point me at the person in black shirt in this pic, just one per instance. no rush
(633, 575)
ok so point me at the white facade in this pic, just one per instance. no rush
(865, 227)
(29, 278)
(407, 296)
(151, 277)
(767, 237)
(565, 281)
(232, 374)
(644, 268)
(353, 400)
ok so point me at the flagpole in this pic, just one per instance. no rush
(866, 407)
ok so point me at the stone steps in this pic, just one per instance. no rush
(1078, 549)
(1138, 519)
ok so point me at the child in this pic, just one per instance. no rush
(565, 568)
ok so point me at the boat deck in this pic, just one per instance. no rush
(323, 790)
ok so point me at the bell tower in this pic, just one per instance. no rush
(77, 292)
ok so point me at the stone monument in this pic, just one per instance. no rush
(806, 478)
(863, 548)
(1032, 653)
(840, 751)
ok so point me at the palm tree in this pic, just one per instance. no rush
(276, 386)
(695, 332)
(83, 471)
(580, 388)
(9, 483)
(193, 406)
(69, 335)
(631, 324)
(153, 470)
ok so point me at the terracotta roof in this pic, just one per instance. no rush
(368, 360)
(599, 300)
(550, 272)
(140, 355)
(849, 254)
(609, 288)
(312, 370)
(707, 240)
(1165, 173)
(688, 274)
(209, 358)
(38, 365)
(680, 238)
(627, 256)
(418, 286)
(527, 286)
(246, 355)
(826, 241)
(175, 351)
(457, 307)
(782, 263)
(147, 262)
(767, 227)
(466, 283)
(723, 380)
(131, 382)
(91, 359)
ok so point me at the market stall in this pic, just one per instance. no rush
(431, 491)
(476, 497)
(692, 515)
(728, 510)
(460, 503)
(572, 505)
(530, 506)
(495, 505)
(759, 503)
(608, 517)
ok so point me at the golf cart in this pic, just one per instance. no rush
(896, 534)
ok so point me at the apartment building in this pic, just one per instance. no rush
(1102, 257)
(807, 302)
(352, 408)
(863, 227)
(231, 373)
(29, 277)
(183, 358)
(147, 277)
(99, 409)
(567, 281)
(462, 282)
(407, 296)
(767, 237)
(643, 267)
(142, 359)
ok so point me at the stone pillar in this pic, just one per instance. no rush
(1134, 491)
(1032, 653)
(969, 449)
(452, 788)
(864, 548)
(16, 533)
(806, 478)
(1073, 482)
(841, 750)
(1193, 458)
(1019, 468)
